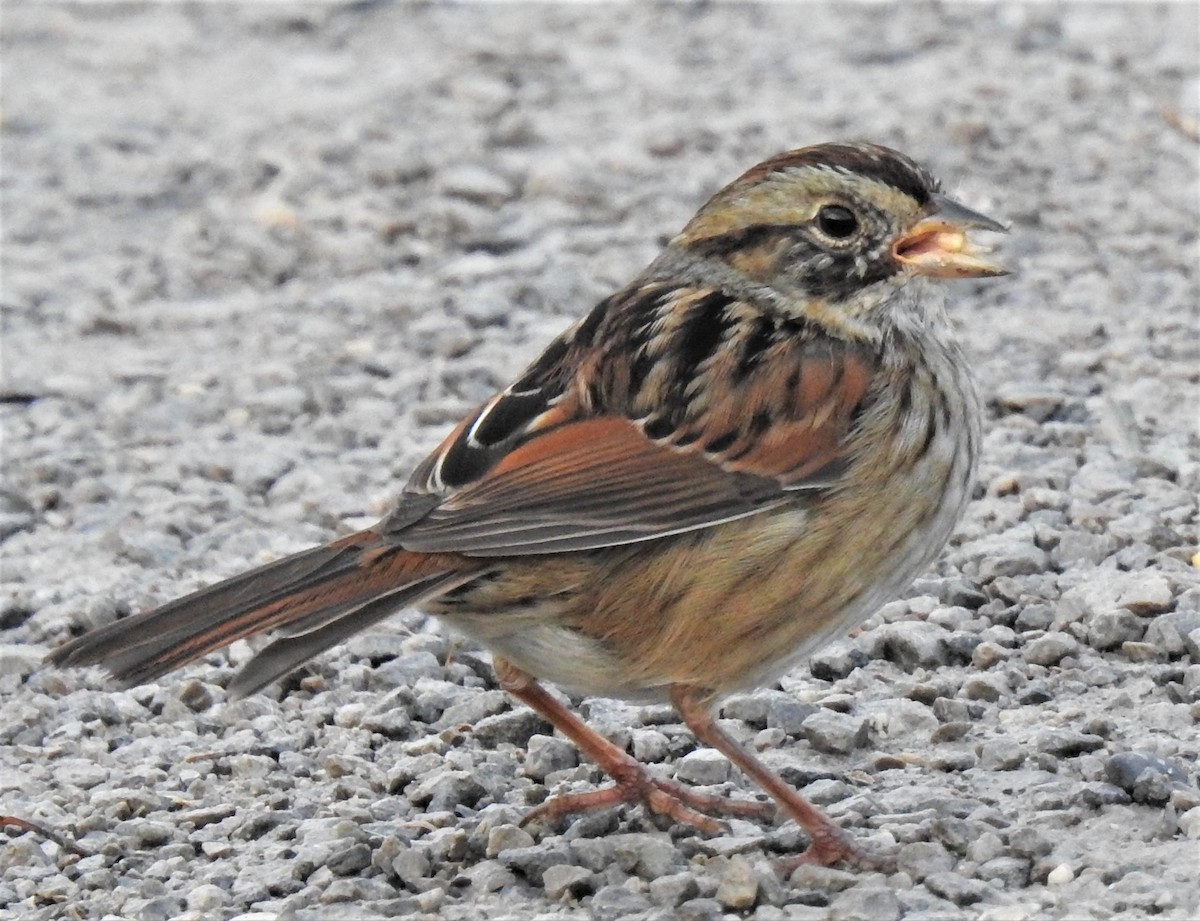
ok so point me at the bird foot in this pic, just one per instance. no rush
(635, 784)
(832, 847)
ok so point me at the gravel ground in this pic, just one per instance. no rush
(258, 258)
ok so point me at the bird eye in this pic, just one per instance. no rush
(837, 222)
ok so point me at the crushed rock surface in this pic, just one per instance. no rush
(258, 258)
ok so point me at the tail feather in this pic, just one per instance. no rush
(283, 655)
(313, 594)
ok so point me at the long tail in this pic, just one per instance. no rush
(315, 598)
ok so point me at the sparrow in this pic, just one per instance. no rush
(737, 457)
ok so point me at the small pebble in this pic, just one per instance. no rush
(547, 754)
(564, 880)
(864, 903)
(703, 767)
(1145, 776)
(1109, 629)
(1050, 649)
(1060, 875)
(738, 886)
(835, 733)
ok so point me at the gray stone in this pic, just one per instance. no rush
(532, 862)
(1034, 617)
(1013, 557)
(703, 767)
(1097, 793)
(1109, 629)
(910, 644)
(489, 876)
(1013, 872)
(162, 908)
(985, 655)
(1142, 652)
(827, 790)
(1036, 401)
(737, 888)
(1075, 547)
(698, 910)
(350, 860)
(923, 858)
(749, 708)
(83, 774)
(1035, 692)
(649, 746)
(411, 866)
(787, 714)
(1147, 777)
(835, 733)
(960, 890)
(987, 846)
(377, 645)
(837, 660)
(594, 853)
(408, 769)
(822, 879)
(1028, 842)
(990, 687)
(1189, 824)
(616, 903)
(1191, 644)
(949, 710)
(728, 845)
(207, 899)
(1166, 631)
(445, 791)
(547, 754)
(673, 888)
(395, 722)
(515, 727)
(503, 837)
(196, 695)
(767, 708)
(900, 717)
(1103, 478)
(961, 646)
(475, 184)
(865, 903)
(958, 592)
(473, 708)
(406, 670)
(147, 833)
(1145, 594)
(1067, 743)
(446, 844)
(563, 880)
(647, 855)
(1000, 755)
(1050, 649)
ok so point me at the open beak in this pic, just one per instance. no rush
(937, 245)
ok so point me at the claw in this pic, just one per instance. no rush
(834, 847)
(661, 797)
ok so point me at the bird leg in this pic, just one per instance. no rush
(828, 843)
(634, 783)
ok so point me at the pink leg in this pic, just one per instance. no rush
(634, 783)
(829, 843)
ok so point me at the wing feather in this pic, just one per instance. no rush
(594, 483)
(665, 411)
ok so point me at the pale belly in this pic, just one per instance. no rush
(735, 605)
(729, 608)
